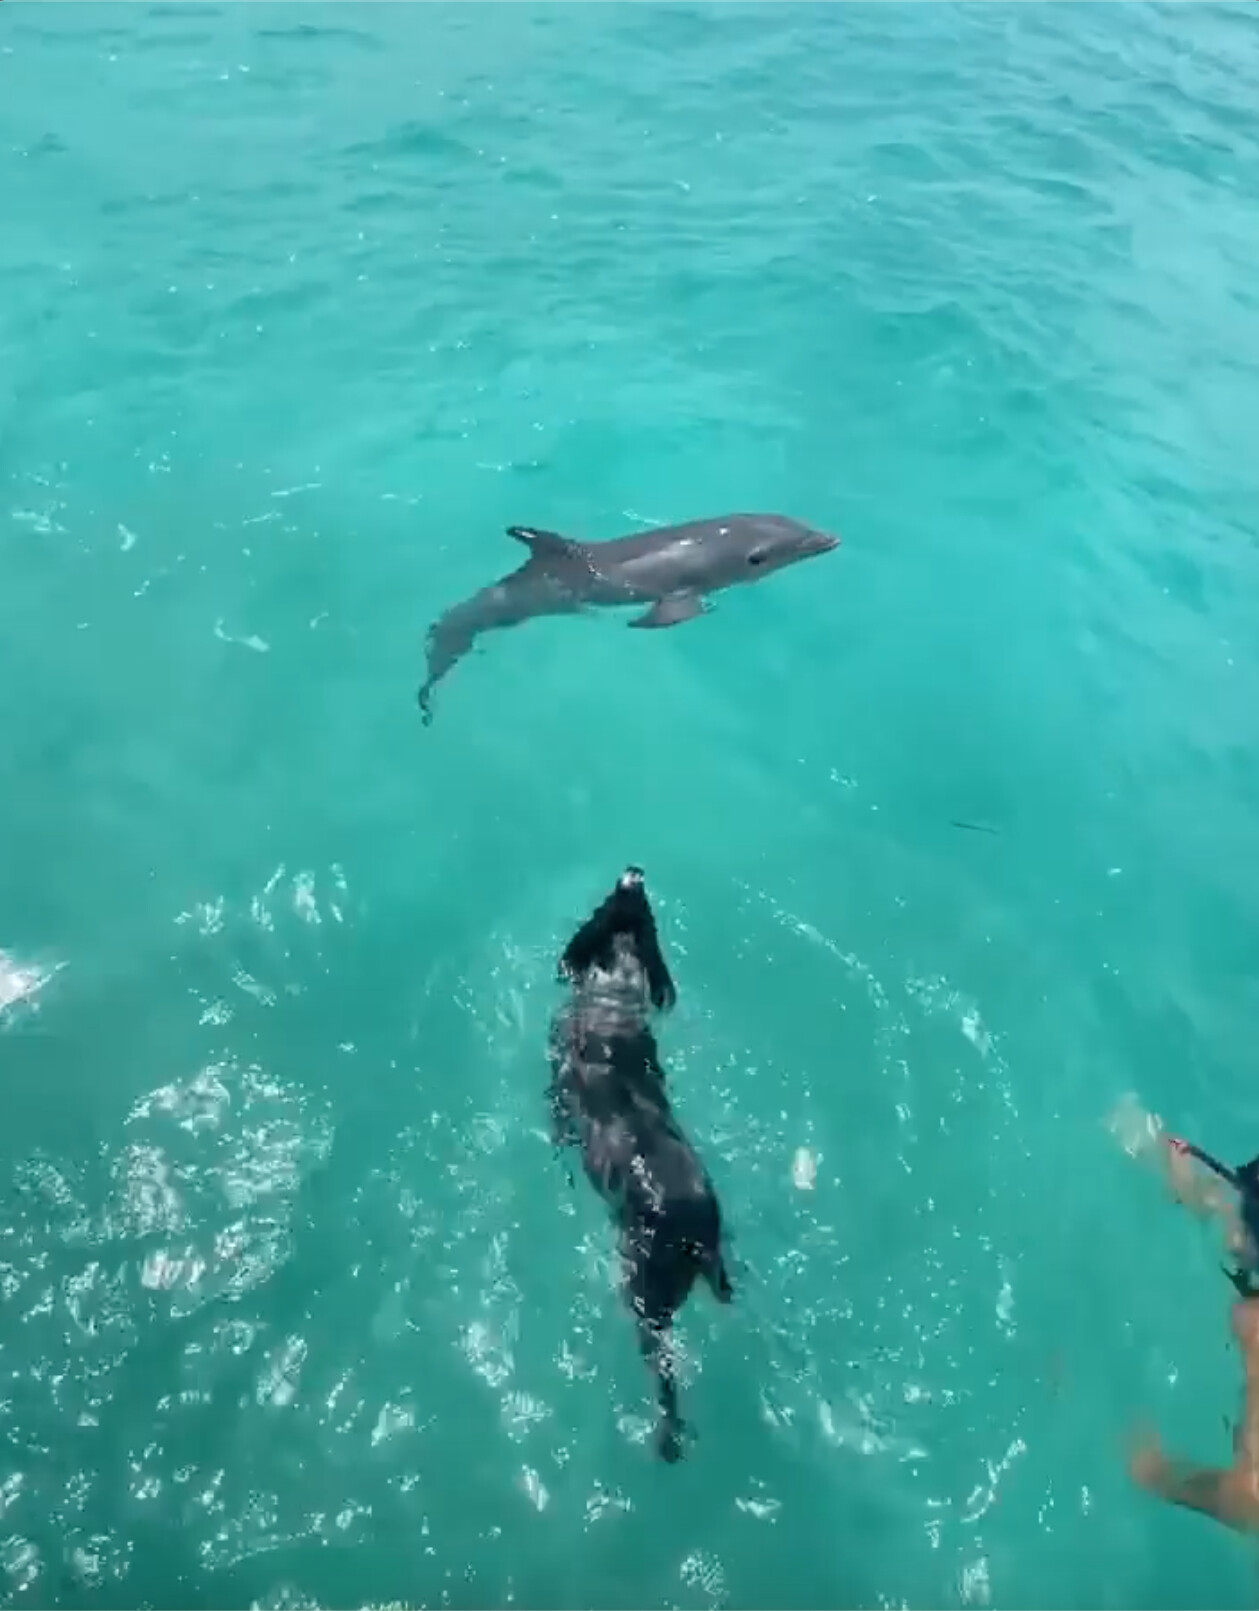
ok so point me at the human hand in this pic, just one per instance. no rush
(1245, 1318)
(1147, 1464)
(1182, 1177)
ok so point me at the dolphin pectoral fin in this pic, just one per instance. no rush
(545, 544)
(672, 610)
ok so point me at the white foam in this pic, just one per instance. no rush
(804, 1169)
(250, 641)
(20, 981)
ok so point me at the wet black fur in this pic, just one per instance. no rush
(608, 1098)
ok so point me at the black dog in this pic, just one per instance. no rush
(608, 1098)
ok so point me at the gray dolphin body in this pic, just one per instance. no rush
(672, 569)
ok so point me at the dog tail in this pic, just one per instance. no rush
(625, 912)
(655, 1340)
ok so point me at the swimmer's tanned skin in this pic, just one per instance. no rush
(1229, 1494)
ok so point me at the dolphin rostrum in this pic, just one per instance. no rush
(672, 569)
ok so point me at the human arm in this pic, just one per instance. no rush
(1201, 1193)
(1213, 1490)
(1229, 1494)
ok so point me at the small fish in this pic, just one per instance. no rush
(973, 827)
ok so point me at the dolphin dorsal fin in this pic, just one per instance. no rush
(545, 544)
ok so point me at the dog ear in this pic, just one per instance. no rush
(660, 983)
(664, 995)
(719, 1280)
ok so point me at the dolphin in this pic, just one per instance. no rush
(672, 569)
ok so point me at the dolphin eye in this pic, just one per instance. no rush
(756, 557)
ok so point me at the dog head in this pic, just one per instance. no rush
(619, 941)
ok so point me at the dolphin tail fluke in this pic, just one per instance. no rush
(449, 639)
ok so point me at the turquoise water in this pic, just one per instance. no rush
(298, 309)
